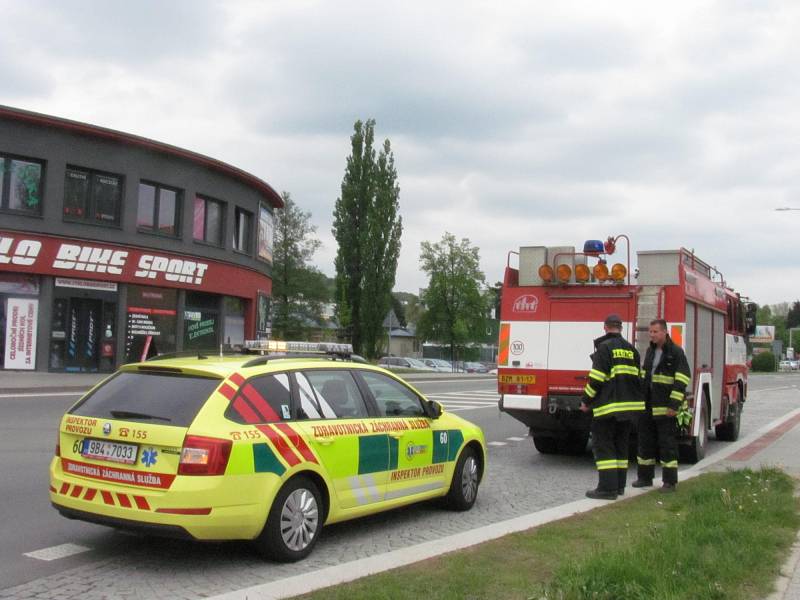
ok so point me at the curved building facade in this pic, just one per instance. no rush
(115, 248)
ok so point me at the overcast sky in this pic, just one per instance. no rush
(512, 123)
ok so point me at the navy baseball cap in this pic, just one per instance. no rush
(613, 320)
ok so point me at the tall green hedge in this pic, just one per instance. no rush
(764, 361)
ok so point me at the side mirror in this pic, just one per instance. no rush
(751, 308)
(434, 409)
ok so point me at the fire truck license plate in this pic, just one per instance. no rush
(517, 378)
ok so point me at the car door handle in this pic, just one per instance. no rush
(326, 441)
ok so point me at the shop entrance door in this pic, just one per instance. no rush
(83, 335)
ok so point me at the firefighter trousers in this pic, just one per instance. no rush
(659, 433)
(610, 444)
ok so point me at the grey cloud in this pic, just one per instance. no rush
(131, 33)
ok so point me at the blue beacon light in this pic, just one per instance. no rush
(593, 247)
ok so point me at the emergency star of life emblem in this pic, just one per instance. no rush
(107, 428)
(526, 303)
(149, 457)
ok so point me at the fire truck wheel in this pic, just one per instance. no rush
(575, 444)
(729, 431)
(545, 444)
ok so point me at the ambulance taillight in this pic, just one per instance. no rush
(204, 456)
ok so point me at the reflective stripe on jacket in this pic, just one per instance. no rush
(613, 387)
(666, 387)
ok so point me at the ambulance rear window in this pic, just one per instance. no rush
(149, 398)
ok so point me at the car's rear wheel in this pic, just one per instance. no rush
(466, 478)
(294, 522)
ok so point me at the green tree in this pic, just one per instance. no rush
(412, 306)
(793, 316)
(298, 290)
(456, 305)
(399, 311)
(367, 228)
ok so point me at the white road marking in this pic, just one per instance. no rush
(516, 439)
(38, 394)
(456, 406)
(471, 393)
(56, 552)
(497, 444)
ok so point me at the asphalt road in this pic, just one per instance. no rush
(518, 481)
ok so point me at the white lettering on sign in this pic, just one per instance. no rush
(175, 269)
(527, 303)
(90, 259)
(21, 333)
(24, 253)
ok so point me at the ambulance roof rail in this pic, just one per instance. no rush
(280, 349)
(262, 360)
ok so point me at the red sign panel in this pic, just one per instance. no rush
(46, 255)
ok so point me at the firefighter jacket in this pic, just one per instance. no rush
(665, 386)
(614, 388)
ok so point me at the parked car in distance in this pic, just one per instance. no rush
(403, 363)
(475, 367)
(785, 365)
(394, 363)
(418, 364)
(441, 365)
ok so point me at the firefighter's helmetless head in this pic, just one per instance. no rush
(658, 332)
(613, 324)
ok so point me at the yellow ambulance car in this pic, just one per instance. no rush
(264, 447)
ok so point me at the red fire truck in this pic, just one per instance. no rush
(553, 306)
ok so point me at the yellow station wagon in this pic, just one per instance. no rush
(265, 448)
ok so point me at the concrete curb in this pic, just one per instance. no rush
(343, 573)
(787, 572)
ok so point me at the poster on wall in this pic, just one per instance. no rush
(22, 316)
(266, 231)
(263, 318)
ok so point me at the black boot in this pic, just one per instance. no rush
(645, 474)
(596, 494)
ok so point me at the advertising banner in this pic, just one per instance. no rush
(764, 334)
(22, 315)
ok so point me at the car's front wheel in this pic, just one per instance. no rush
(294, 522)
(466, 478)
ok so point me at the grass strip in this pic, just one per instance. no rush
(721, 535)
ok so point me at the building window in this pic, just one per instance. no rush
(208, 220)
(242, 232)
(21, 185)
(159, 209)
(92, 196)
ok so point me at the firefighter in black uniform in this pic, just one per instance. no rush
(665, 374)
(613, 394)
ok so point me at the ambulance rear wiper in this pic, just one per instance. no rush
(126, 414)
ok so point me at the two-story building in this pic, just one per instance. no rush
(114, 247)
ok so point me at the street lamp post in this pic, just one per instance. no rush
(791, 331)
